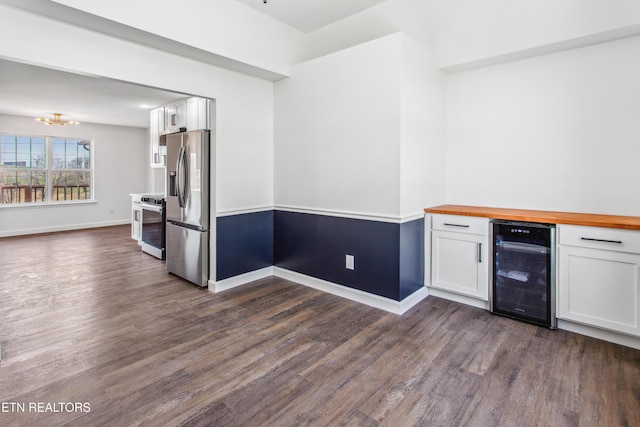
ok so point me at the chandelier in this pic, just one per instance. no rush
(56, 120)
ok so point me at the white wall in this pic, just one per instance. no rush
(555, 132)
(118, 155)
(361, 131)
(337, 132)
(244, 133)
(423, 130)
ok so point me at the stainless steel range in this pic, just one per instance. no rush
(153, 225)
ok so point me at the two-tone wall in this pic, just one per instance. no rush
(358, 138)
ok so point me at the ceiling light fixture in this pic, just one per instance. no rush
(56, 120)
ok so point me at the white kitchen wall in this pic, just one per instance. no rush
(556, 132)
(119, 154)
(244, 132)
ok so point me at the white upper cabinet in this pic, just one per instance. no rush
(156, 128)
(198, 114)
(190, 114)
(175, 116)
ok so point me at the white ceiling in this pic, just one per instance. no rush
(31, 91)
(309, 15)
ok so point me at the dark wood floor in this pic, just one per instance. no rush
(86, 317)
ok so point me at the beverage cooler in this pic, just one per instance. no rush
(523, 271)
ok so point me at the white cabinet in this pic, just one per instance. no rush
(156, 128)
(599, 277)
(175, 116)
(190, 114)
(198, 114)
(136, 218)
(460, 255)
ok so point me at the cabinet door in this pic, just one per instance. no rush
(599, 288)
(203, 114)
(175, 116)
(459, 263)
(192, 114)
(197, 113)
(136, 223)
(156, 126)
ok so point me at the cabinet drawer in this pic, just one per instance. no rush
(461, 224)
(599, 238)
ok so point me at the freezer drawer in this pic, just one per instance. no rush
(187, 254)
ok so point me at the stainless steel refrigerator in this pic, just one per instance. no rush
(187, 210)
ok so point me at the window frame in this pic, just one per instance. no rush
(50, 171)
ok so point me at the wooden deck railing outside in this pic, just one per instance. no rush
(36, 193)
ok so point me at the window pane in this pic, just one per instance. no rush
(71, 154)
(84, 183)
(8, 151)
(22, 186)
(84, 155)
(38, 153)
(71, 185)
(59, 151)
(23, 151)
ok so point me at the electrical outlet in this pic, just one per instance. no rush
(351, 262)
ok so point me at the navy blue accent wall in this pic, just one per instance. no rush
(244, 243)
(389, 258)
(411, 257)
(316, 245)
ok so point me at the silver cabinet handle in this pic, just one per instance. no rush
(479, 252)
(456, 225)
(589, 239)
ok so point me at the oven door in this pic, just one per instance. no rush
(153, 230)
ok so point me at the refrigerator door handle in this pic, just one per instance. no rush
(185, 182)
(182, 176)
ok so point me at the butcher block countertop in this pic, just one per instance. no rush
(548, 217)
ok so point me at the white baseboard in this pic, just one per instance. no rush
(387, 304)
(590, 331)
(67, 227)
(601, 334)
(474, 302)
(242, 279)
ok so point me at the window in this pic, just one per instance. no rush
(44, 170)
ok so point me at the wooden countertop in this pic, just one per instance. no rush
(548, 217)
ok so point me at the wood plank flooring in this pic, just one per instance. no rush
(86, 317)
